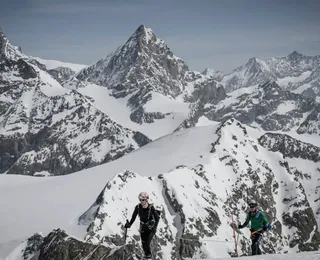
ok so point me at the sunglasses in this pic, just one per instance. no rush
(252, 206)
(142, 199)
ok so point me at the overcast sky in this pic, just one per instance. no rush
(205, 33)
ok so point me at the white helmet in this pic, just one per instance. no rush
(143, 196)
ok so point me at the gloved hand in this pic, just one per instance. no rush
(127, 225)
(264, 228)
(240, 226)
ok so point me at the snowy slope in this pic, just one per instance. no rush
(174, 111)
(53, 64)
(203, 172)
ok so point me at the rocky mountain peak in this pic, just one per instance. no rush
(8, 51)
(253, 60)
(295, 56)
(144, 33)
(139, 41)
(144, 61)
(254, 64)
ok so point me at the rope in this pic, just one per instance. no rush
(207, 240)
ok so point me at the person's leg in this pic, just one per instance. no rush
(258, 245)
(144, 239)
(255, 245)
(148, 249)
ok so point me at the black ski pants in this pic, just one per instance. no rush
(146, 236)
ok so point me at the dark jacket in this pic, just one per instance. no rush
(148, 216)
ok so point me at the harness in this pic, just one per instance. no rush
(150, 222)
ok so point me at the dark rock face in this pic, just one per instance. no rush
(61, 74)
(18, 68)
(311, 125)
(139, 116)
(205, 95)
(305, 222)
(208, 92)
(58, 245)
(290, 147)
(33, 245)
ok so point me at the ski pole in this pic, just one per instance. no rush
(125, 240)
(235, 239)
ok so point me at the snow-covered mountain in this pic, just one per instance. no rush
(290, 72)
(215, 74)
(199, 178)
(150, 85)
(292, 65)
(143, 62)
(267, 106)
(142, 90)
(254, 72)
(47, 129)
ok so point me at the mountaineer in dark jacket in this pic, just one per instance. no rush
(149, 219)
(259, 224)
